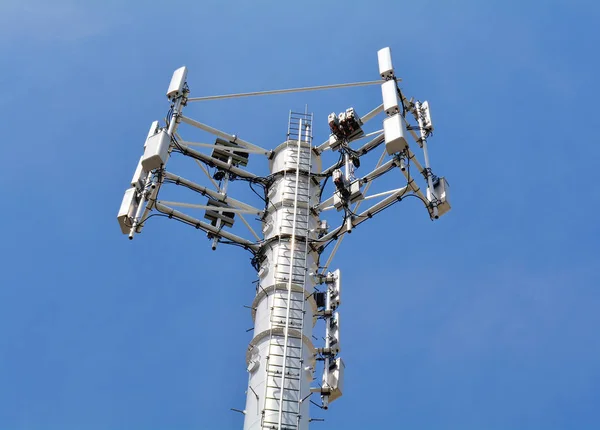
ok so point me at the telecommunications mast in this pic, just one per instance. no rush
(295, 288)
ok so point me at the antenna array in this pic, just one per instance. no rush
(295, 288)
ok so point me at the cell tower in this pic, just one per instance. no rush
(294, 288)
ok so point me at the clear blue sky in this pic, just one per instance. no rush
(486, 319)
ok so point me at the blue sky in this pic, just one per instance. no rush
(486, 319)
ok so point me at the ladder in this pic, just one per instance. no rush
(284, 384)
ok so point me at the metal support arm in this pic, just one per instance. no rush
(214, 194)
(284, 91)
(207, 207)
(367, 147)
(204, 226)
(222, 134)
(416, 189)
(362, 217)
(372, 144)
(224, 148)
(379, 171)
(221, 164)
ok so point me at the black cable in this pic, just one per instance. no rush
(419, 197)
(382, 173)
(169, 115)
(225, 242)
(165, 216)
(337, 166)
(401, 100)
(229, 242)
(351, 212)
(255, 192)
(177, 145)
(323, 187)
(171, 181)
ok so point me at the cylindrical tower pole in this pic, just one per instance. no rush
(281, 356)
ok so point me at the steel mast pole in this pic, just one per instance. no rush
(281, 355)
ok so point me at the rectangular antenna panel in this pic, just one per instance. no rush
(384, 58)
(338, 201)
(389, 93)
(127, 210)
(157, 151)
(140, 175)
(334, 142)
(177, 83)
(393, 129)
(334, 333)
(355, 192)
(334, 282)
(426, 116)
(441, 193)
(336, 291)
(153, 130)
(336, 379)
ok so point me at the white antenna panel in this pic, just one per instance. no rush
(139, 176)
(384, 58)
(127, 210)
(177, 83)
(426, 116)
(157, 151)
(153, 130)
(393, 129)
(389, 93)
(334, 333)
(335, 379)
(441, 194)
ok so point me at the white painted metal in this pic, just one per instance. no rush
(127, 210)
(204, 226)
(384, 58)
(440, 195)
(207, 174)
(249, 227)
(363, 119)
(139, 176)
(355, 209)
(284, 309)
(367, 214)
(222, 190)
(391, 102)
(206, 207)
(153, 130)
(222, 134)
(214, 194)
(221, 164)
(224, 148)
(151, 189)
(373, 133)
(395, 141)
(281, 356)
(177, 83)
(289, 287)
(156, 152)
(286, 91)
(423, 132)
